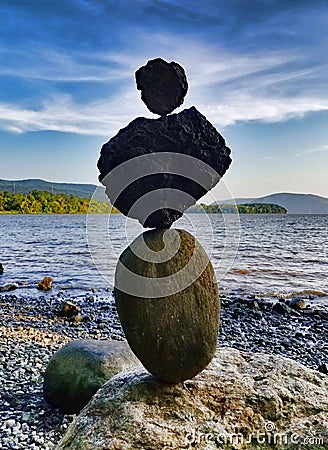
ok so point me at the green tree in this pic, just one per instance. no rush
(43, 202)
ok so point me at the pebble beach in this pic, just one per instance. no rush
(31, 331)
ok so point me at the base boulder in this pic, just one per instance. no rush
(241, 401)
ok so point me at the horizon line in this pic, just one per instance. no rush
(100, 185)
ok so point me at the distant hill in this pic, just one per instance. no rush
(294, 203)
(78, 190)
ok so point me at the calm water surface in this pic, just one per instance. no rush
(261, 254)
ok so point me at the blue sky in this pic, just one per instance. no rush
(258, 70)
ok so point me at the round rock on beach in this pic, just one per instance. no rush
(77, 370)
(167, 300)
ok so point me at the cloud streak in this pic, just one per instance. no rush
(55, 65)
(227, 87)
(320, 149)
(63, 115)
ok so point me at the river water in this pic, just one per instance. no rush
(266, 254)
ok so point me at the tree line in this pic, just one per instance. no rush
(43, 202)
(251, 208)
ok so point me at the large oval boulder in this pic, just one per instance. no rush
(78, 369)
(167, 300)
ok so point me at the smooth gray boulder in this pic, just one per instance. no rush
(242, 400)
(167, 301)
(78, 369)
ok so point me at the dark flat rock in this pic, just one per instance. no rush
(154, 169)
(163, 85)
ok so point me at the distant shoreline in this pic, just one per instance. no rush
(44, 202)
(295, 203)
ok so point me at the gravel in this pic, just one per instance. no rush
(31, 331)
(251, 324)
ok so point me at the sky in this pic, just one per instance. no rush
(257, 69)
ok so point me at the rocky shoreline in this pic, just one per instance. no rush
(31, 331)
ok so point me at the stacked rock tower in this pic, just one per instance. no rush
(153, 170)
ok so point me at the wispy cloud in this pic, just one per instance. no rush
(320, 149)
(56, 65)
(226, 86)
(245, 107)
(267, 158)
(61, 114)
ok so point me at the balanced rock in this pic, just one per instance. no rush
(163, 85)
(77, 370)
(154, 169)
(241, 401)
(167, 301)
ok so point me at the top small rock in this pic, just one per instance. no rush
(163, 85)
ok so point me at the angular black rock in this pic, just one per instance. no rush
(162, 166)
(163, 85)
